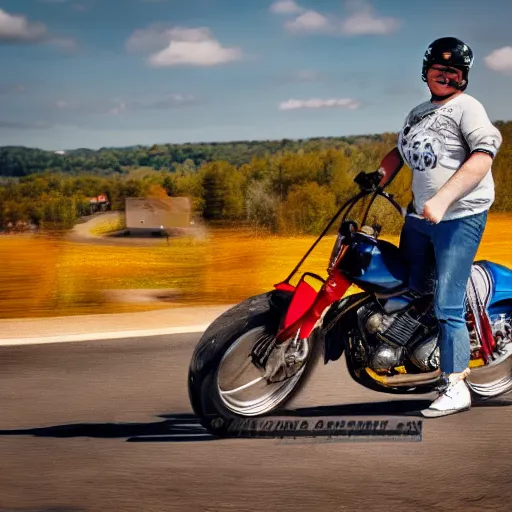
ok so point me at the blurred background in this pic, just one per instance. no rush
(98, 232)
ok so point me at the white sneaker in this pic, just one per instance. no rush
(456, 397)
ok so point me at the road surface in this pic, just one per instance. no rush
(106, 426)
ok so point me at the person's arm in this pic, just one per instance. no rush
(389, 166)
(461, 183)
(484, 141)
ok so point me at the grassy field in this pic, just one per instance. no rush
(108, 226)
(43, 276)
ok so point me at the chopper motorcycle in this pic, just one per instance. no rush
(387, 333)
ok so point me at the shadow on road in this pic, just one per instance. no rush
(186, 428)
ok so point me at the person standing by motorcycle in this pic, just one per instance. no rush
(449, 143)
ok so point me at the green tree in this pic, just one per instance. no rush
(307, 209)
(215, 189)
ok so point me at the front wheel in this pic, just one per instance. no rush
(224, 383)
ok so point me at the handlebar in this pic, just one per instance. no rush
(368, 183)
(369, 180)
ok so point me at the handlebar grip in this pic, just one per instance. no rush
(368, 180)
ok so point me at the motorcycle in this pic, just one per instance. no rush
(387, 332)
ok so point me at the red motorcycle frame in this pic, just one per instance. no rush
(307, 305)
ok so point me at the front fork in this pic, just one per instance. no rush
(307, 305)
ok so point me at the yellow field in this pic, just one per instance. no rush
(108, 226)
(49, 277)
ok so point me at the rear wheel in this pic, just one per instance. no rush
(495, 379)
(492, 381)
(224, 383)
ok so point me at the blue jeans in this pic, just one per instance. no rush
(439, 259)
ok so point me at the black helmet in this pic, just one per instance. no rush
(452, 52)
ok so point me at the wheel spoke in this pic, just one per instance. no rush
(240, 388)
(257, 402)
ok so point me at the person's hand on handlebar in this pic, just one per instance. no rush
(369, 180)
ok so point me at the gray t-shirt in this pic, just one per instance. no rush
(437, 139)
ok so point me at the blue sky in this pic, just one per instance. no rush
(94, 73)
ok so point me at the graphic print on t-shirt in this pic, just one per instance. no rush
(430, 141)
(421, 150)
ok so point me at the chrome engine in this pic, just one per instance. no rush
(397, 334)
(401, 333)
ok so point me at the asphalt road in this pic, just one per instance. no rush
(107, 426)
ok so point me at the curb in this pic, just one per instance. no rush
(73, 338)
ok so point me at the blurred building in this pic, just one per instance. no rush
(99, 203)
(157, 215)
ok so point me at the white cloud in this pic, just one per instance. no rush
(149, 39)
(500, 60)
(16, 28)
(117, 106)
(361, 20)
(201, 53)
(286, 7)
(181, 45)
(316, 103)
(309, 21)
(364, 21)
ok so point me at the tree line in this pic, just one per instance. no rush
(288, 190)
(17, 161)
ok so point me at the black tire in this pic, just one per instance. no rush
(262, 311)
